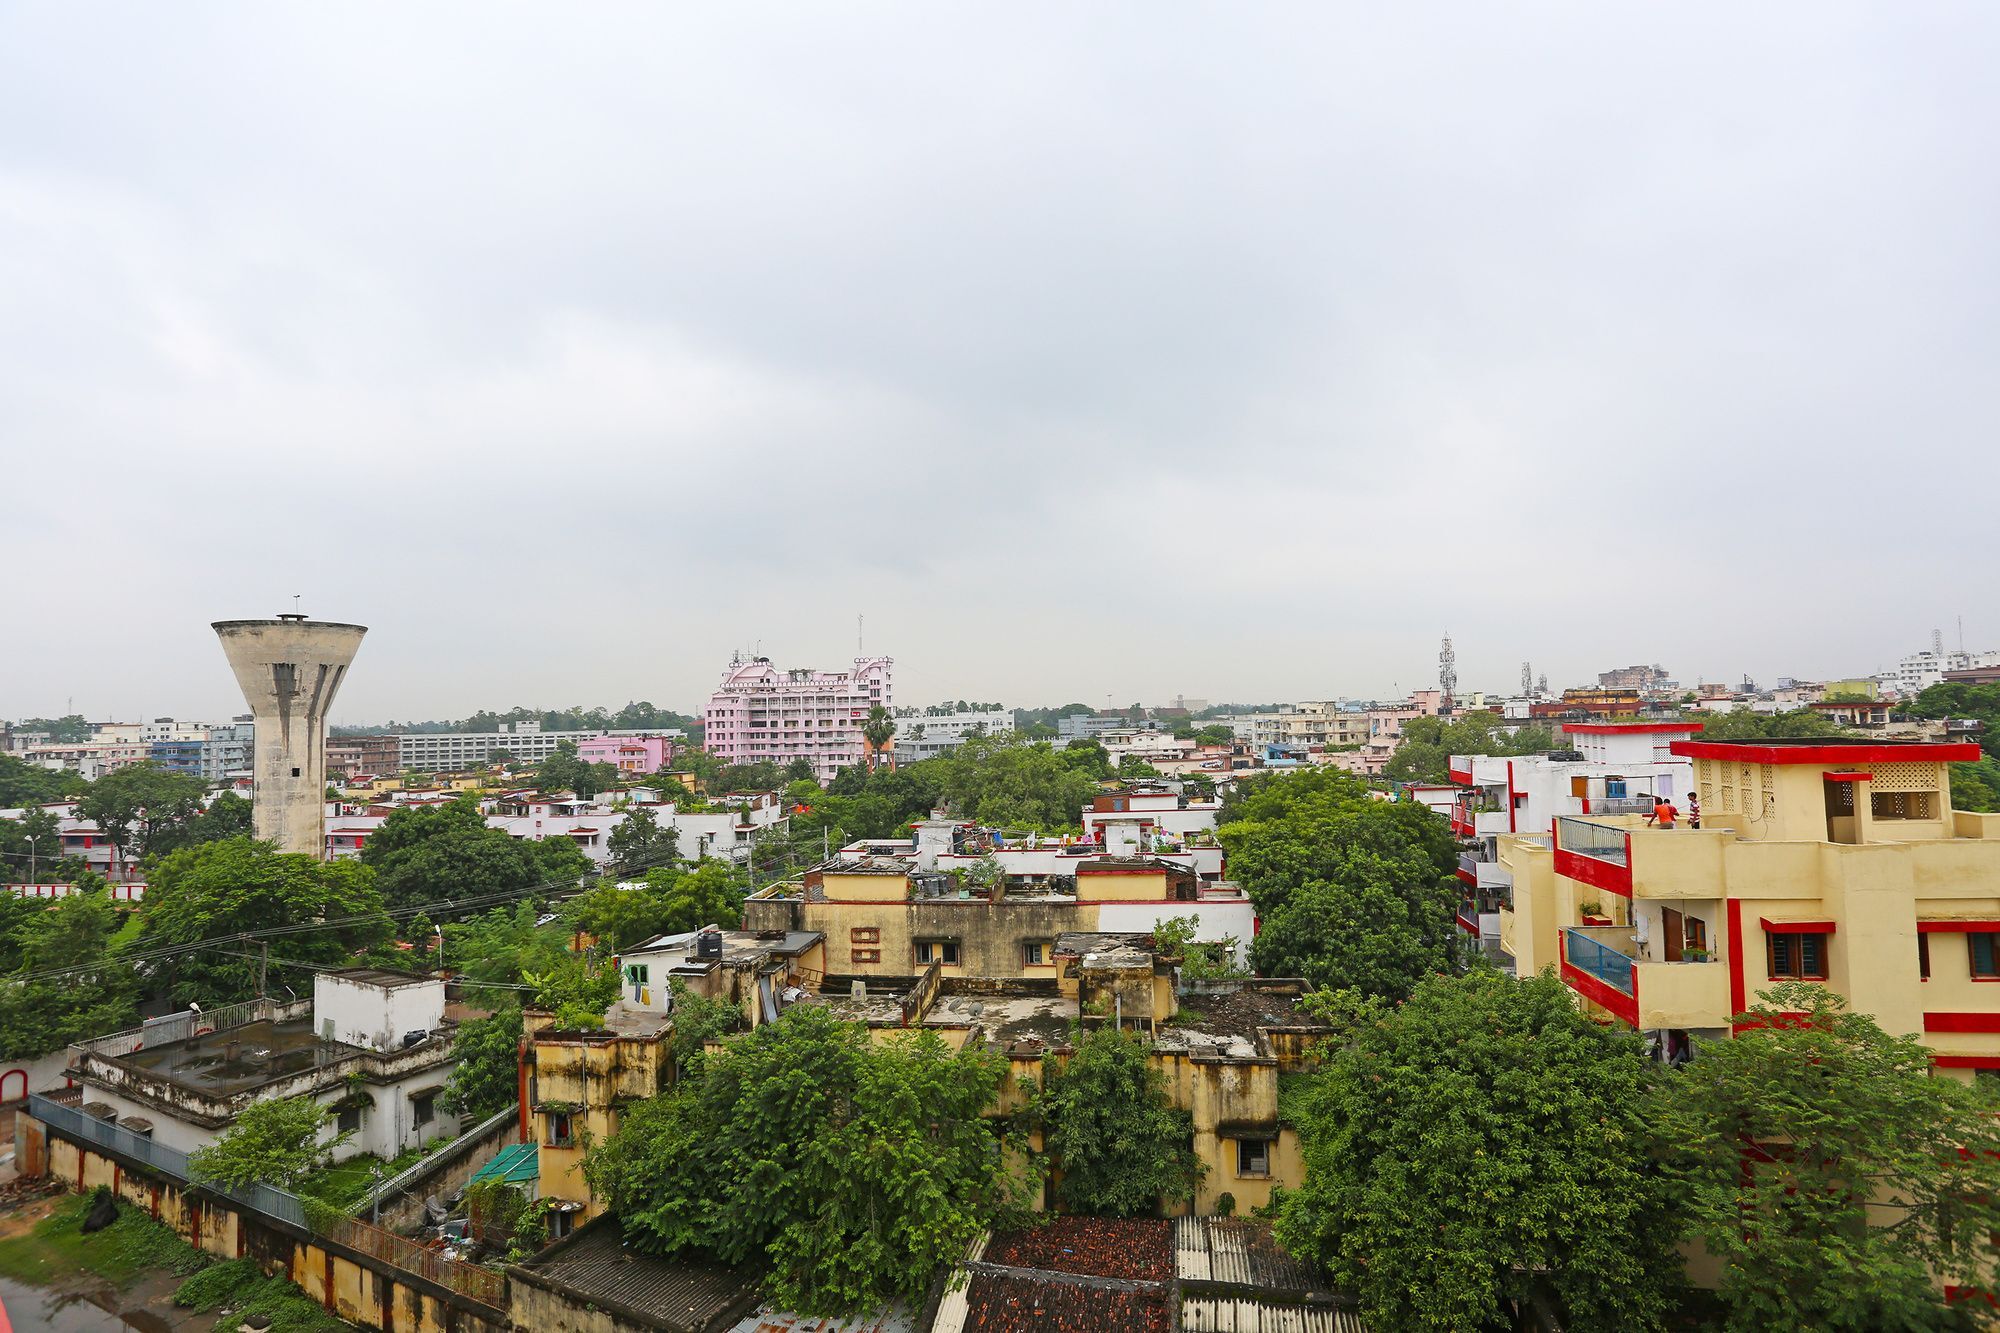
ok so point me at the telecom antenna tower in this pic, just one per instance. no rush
(1447, 675)
(289, 669)
(1527, 677)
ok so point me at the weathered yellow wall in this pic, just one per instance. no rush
(1122, 886)
(358, 1292)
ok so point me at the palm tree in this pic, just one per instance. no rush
(878, 731)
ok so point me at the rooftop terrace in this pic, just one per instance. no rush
(236, 1060)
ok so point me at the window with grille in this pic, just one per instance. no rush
(1253, 1157)
(1902, 804)
(943, 952)
(1985, 956)
(1035, 953)
(1800, 957)
(865, 935)
(865, 955)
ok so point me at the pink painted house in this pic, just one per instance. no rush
(628, 754)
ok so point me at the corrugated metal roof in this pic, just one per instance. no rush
(1221, 1314)
(595, 1264)
(1242, 1253)
(516, 1163)
(895, 1319)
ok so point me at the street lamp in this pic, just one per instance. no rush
(31, 858)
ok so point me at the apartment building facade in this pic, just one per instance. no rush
(763, 714)
(927, 734)
(1612, 768)
(452, 751)
(1833, 860)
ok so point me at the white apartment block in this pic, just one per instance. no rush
(1920, 671)
(927, 735)
(453, 751)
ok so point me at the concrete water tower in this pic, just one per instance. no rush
(289, 669)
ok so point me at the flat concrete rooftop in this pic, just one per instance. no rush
(239, 1059)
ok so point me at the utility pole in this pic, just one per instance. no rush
(31, 858)
(263, 966)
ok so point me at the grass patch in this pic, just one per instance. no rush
(132, 1245)
(345, 1184)
(242, 1288)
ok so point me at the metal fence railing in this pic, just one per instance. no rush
(1468, 863)
(1600, 960)
(1621, 805)
(1600, 842)
(470, 1280)
(180, 1027)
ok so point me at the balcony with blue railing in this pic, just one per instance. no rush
(1595, 950)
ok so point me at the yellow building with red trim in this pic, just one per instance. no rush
(1831, 860)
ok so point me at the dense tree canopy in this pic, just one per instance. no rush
(275, 1141)
(433, 853)
(23, 783)
(1429, 742)
(1478, 1143)
(1122, 1147)
(1352, 891)
(144, 809)
(222, 888)
(498, 946)
(640, 841)
(43, 1014)
(31, 851)
(1799, 1129)
(667, 900)
(848, 1169)
(486, 1076)
(1743, 725)
(1973, 786)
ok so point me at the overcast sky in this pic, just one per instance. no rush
(1087, 350)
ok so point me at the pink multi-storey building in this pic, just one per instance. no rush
(760, 713)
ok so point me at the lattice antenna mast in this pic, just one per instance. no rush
(1447, 674)
(1527, 677)
(1937, 644)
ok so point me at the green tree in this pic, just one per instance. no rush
(70, 730)
(240, 885)
(563, 771)
(433, 853)
(1352, 891)
(31, 851)
(577, 990)
(639, 841)
(1832, 1172)
(698, 1020)
(1481, 1144)
(1011, 783)
(1743, 725)
(39, 1014)
(1205, 960)
(668, 900)
(23, 783)
(843, 1168)
(227, 816)
(144, 809)
(499, 946)
(273, 1142)
(801, 770)
(487, 1075)
(877, 731)
(1108, 1124)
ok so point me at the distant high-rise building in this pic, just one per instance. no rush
(761, 713)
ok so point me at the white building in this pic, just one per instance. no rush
(372, 1046)
(930, 733)
(1623, 766)
(728, 834)
(1920, 671)
(454, 751)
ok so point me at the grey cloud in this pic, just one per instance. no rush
(1129, 348)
